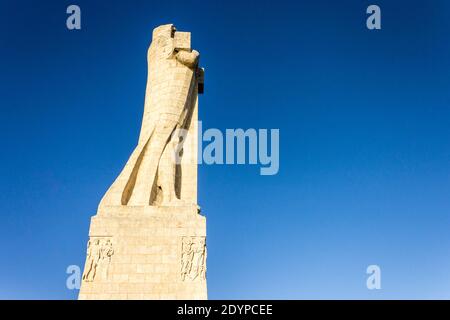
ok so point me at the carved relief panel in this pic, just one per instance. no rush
(99, 254)
(193, 258)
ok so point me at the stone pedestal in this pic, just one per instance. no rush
(151, 252)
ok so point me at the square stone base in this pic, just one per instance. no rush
(146, 253)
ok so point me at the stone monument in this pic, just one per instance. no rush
(148, 238)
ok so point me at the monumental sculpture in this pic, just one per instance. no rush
(148, 238)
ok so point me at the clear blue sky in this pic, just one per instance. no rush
(364, 119)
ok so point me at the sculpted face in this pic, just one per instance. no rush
(163, 40)
(188, 244)
(165, 45)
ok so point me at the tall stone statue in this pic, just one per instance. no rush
(171, 88)
(148, 238)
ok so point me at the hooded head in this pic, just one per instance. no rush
(165, 30)
(163, 40)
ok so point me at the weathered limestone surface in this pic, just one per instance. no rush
(148, 239)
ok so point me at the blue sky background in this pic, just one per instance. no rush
(364, 119)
